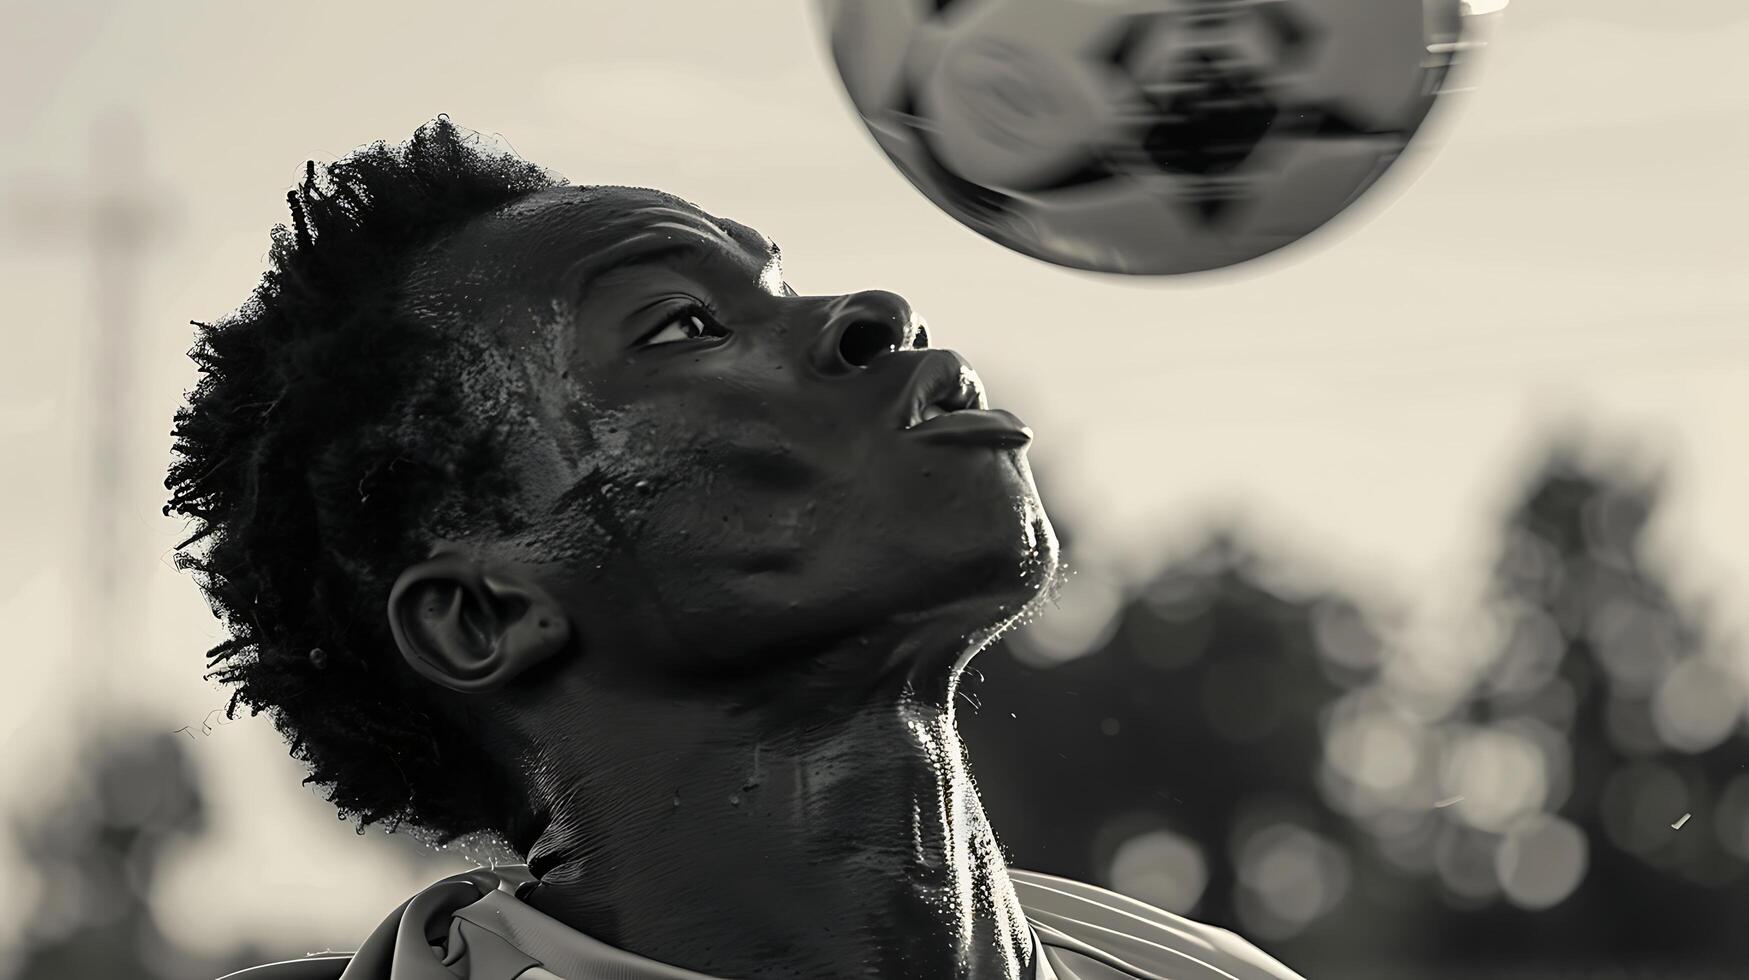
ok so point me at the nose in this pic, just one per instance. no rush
(861, 327)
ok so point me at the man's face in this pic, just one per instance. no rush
(721, 465)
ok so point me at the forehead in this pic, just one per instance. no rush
(553, 238)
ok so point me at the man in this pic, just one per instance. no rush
(554, 514)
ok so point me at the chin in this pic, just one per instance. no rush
(1012, 562)
(1043, 557)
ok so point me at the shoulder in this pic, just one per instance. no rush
(308, 968)
(1090, 933)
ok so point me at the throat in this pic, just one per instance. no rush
(854, 846)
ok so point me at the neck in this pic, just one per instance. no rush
(720, 834)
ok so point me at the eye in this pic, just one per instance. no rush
(689, 324)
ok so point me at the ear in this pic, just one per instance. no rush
(470, 629)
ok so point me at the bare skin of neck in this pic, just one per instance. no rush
(822, 826)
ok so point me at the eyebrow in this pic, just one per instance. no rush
(647, 248)
(639, 251)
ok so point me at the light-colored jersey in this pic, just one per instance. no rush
(1090, 933)
(472, 927)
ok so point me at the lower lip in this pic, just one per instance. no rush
(974, 427)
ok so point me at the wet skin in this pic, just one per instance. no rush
(720, 660)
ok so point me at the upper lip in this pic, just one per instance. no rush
(944, 381)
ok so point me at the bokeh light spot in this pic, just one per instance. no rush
(1696, 706)
(1162, 868)
(1541, 861)
(1293, 874)
(1499, 774)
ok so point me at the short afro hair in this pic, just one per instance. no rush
(319, 444)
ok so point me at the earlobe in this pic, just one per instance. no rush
(469, 629)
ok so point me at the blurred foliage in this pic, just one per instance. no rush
(93, 855)
(1555, 780)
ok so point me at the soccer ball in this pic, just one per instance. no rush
(1149, 138)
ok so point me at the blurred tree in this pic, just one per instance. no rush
(1177, 760)
(94, 853)
(1555, 783)
(1638, 845)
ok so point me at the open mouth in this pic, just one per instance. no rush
(940, 388)
(945, 402)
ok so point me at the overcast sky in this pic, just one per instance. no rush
(1566, 245)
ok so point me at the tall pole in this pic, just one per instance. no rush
(118, 228)
(115, 222)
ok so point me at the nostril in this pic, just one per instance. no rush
(865, 340)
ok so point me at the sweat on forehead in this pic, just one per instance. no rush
(534, 245)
